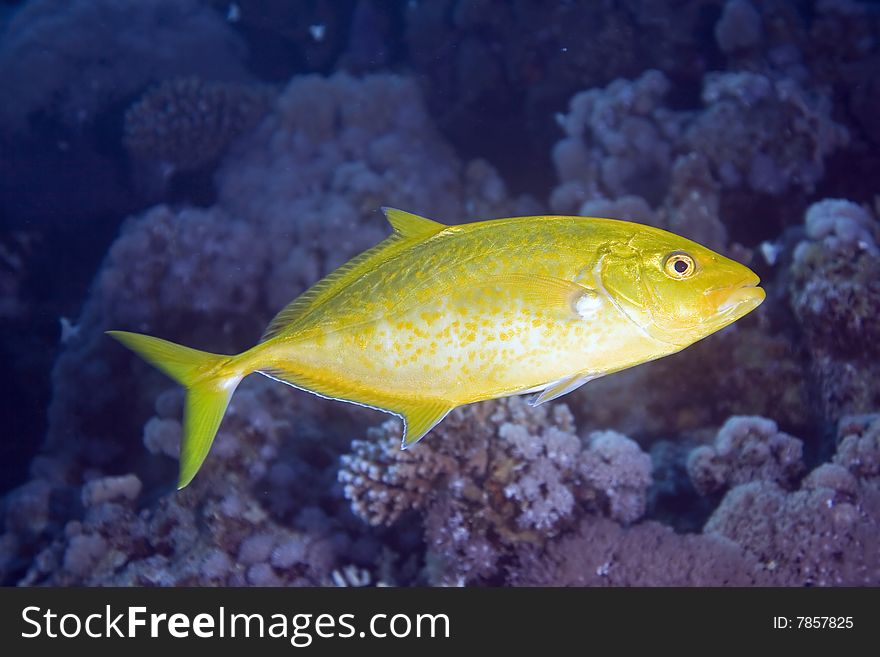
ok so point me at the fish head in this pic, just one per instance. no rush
(676, 290)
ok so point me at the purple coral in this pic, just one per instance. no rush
(834, 290)
(218, 534)
(617, 142)
(186, 123)
(745, 113)
(746, 449)
(493, 476)
(822, 534)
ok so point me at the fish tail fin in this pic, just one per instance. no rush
(210, 380)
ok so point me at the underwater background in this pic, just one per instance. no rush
(184, 168)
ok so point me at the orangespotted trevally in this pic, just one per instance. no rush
(438, 316)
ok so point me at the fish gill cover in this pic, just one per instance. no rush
(752, 457)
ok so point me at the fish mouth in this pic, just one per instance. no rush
(734, 301)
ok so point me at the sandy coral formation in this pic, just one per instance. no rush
(834, 290)
(186, 123)
(491, 477)
(72, 59)
(746, 449)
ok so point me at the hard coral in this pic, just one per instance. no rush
(822, 534)
(218, 531)
(186, 123)
(602, 553)
(834, 290)
(493, 476)
(739, 132)
(746, 449)
(618, 142)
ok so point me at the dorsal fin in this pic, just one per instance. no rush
(408, 229)
(407, 224)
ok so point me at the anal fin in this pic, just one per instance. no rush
(419, 415)
(420, 418)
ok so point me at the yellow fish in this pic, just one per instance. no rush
(438, 316)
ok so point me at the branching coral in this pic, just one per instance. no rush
(494, 476)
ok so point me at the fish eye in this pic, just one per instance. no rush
(679, 265)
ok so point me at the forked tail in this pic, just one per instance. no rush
(210, 380)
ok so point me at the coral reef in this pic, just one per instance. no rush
(821, 533)
(217, 532)
(602, 553)
(618, 142)
(754, 109)
(186, 123)
(520, 61)
(624, 140)
(746, 449)
(834, 290)
(761, 534)
(495, 475)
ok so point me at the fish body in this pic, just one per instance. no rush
(440, 316)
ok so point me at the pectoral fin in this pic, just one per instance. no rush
(562, 298)
(563, 387)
